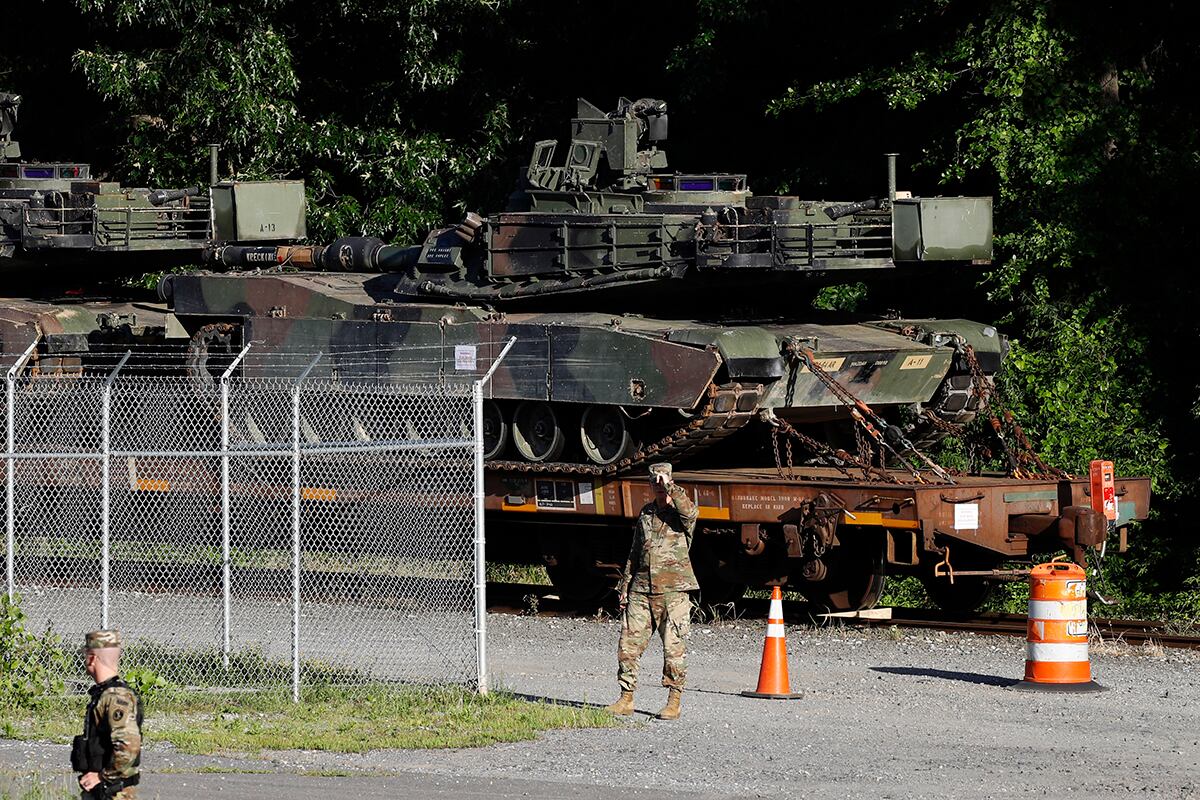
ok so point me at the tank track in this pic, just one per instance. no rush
(957, 402)
(730, 406)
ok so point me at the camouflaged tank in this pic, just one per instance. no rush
(58, 214)
(622, 284)
(65, 235)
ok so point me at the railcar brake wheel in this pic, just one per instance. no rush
(605, 435)
(536, 431)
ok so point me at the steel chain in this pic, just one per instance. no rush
(1023, 462)
(857, 409)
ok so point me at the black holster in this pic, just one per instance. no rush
(86, 754)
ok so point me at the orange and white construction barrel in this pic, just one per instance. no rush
(1056, 656)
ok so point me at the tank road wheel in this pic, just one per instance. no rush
(536, 431)
(605, 436)
(495, 429)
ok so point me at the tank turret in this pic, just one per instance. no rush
(625, 286)
(57, 214)
(607, 218)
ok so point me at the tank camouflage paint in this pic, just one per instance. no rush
(609, 228)
(58, 214)
(620, 283)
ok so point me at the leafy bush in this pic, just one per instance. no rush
(146, 682)
(30, 665)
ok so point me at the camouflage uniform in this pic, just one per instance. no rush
(658, 575)
(114, 719)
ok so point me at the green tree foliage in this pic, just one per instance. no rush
(1075, 117)
(270, 80)
(1040, 117)
(31, 666)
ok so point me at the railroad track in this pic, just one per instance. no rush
(530, 599)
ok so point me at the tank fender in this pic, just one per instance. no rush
(990, 346)
(750, 354)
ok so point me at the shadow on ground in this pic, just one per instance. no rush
(949, 675)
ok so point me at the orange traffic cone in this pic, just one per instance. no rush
(773, 674)
(1056, 657)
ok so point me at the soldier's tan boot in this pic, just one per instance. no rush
(671, 709)
(624, 706)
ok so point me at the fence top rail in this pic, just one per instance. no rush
(55, 383)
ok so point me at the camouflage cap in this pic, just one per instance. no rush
(98, 640)
(661, 468)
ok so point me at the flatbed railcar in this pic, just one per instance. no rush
(831, 537)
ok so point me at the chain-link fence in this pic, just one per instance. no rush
(251, 531)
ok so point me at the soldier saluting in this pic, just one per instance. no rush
(653, 591)
(108, 753)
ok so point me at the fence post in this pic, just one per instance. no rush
(10, 465)
(105, 489)
(480, 533)
(296, 527)
(225, 506)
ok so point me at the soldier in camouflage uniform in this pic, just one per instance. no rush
(109, 752)
(654, 591)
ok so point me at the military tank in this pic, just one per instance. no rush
(67, 238)
(656, 314)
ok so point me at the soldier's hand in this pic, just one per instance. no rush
(622, 601)
(89, 780)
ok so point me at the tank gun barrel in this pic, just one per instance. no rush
(160, 197)
(840, 210)
(348, 254)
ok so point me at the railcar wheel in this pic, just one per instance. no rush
(581, 570)
(854, 578)
(495, 429)
(967, 593)
(717, 570)
(536, 432)
(604, 435)
(715, 590)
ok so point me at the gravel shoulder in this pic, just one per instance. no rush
(886, 714)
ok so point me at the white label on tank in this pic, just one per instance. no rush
(827, 364)
(585, 494)
(464, 357)
(966, 516)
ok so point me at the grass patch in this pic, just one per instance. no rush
(17, 785)
(503, 572)
(336, 720)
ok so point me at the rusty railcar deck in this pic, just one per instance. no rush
(1000, 514)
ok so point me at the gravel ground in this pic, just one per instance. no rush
(886, 714)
